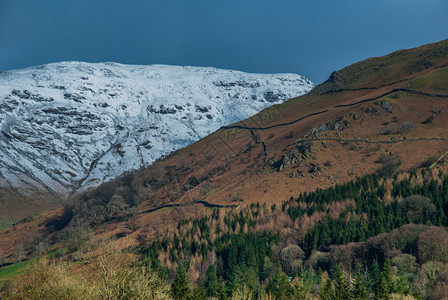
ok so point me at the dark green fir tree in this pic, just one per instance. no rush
(180, 288)
(358, 289)
(211, 284)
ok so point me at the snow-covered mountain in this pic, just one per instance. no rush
(70, 125)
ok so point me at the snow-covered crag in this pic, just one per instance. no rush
(70, 125)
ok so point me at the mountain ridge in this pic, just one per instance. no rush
(269, 133)
(70, 125)
(319, 185)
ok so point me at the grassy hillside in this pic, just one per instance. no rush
(344, 191)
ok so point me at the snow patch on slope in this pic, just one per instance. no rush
(71, 125)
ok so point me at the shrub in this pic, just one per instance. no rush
(428, 120)
(433, 245)
(47, 280)
(405, 262)
(428, 161)
(406, 126)
(193, 181)
(403, 128)
(50, 280)
(417, 209)
(427, 274)
(389, 165)
(400, 240)
(133, 283)
(95, 206)
(318, 260)
(440, 290)
(290, 254)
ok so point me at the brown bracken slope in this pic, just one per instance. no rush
(385, 109)
(394, 105)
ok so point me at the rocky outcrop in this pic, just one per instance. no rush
(300, 152)
(384, 104)
(371, 110)
(337, 125)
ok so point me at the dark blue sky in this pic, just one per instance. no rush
(312, 37)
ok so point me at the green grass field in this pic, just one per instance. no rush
(58, 252)
(12, 271)
(4, 224)
(435, 81)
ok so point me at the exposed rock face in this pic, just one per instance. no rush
(337, 125)
(71, 125)
(371, 110)
(297, 154)
(386, 106)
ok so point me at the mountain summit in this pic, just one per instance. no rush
(70, 125)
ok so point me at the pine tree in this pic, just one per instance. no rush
(301, 289)
(236, 279)
(267, 268)
(211, 284)
(341, 287)
(388, 276)
(374, 274)
(279, 284)
(385, 284)
(402, 286)
(199, 293)
(180, 288)
(327, 292)
(222, 293)
(382, 288)
(358, 288)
